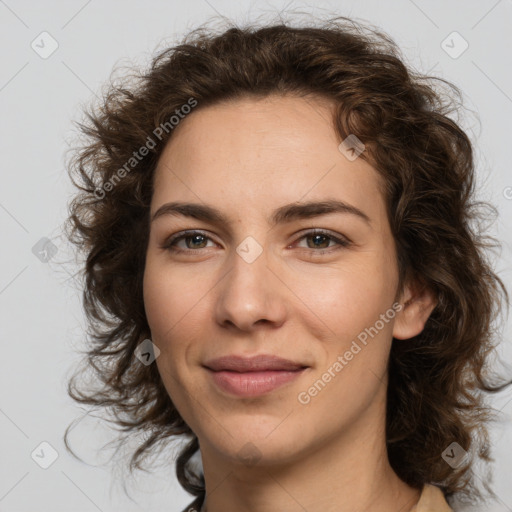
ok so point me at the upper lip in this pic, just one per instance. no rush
(252, 364)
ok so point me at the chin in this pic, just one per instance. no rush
(251, 446)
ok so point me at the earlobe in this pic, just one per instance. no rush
(418, 302)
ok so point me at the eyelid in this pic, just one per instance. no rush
(338, 237)
(184, 234)
(341, 240)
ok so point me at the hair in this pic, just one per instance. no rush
(437, 378)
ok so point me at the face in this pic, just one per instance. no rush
(315, 287)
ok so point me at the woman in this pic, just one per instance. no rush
(281, 268)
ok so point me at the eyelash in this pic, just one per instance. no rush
(171, 242)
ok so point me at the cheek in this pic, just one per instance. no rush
(169, 297)
(346, 298)
(166, 311)
(175, 308)
(354, 363)
(350, 305)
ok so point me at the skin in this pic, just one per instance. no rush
(246, 158)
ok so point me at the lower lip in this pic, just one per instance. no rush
(253, 383)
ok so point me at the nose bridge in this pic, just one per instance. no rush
(250, 291)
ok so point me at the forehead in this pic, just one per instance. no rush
(251, 154)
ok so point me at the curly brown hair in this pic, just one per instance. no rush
(426, 160)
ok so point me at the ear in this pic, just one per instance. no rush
(417, 301)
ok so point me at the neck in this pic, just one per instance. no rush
(344, 473)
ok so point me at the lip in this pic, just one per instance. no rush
(253, 376)
(258, 363)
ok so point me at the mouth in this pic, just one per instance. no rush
(253, 376)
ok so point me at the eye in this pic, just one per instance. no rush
(320, 240)
(194, 241)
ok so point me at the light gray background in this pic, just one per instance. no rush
(41, 318)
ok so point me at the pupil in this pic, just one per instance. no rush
(316, 237)
(195, 238)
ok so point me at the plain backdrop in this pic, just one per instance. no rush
(43, 87)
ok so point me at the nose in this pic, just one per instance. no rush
(250, 295)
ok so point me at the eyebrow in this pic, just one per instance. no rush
(283, 214)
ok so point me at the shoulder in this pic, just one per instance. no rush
(431, 500)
